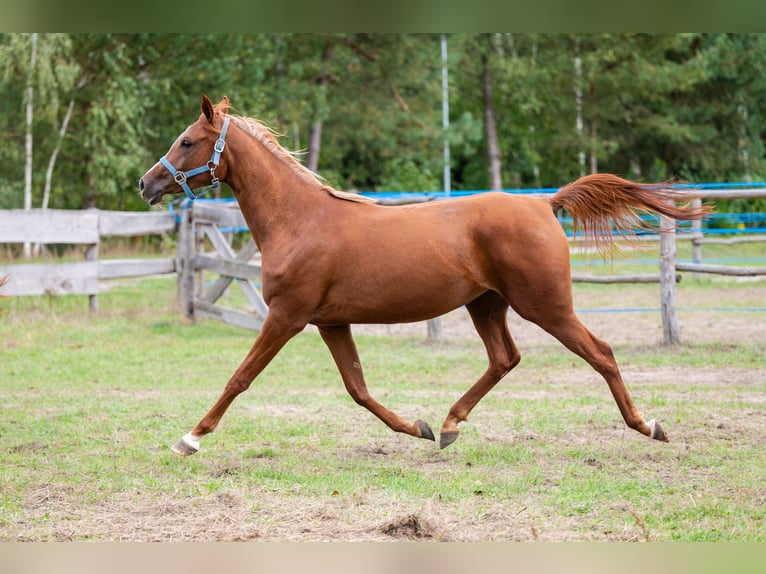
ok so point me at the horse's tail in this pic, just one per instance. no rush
(599, 201)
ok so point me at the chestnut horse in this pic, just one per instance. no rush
(332, 259)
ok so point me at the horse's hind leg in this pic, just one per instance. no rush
(341, 344)
(489, 314)
(568, 329)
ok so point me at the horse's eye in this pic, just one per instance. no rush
(186, 143)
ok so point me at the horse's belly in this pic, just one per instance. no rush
(395, 301)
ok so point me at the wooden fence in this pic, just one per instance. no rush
(211, 221)
(669, 268)
(78, 227)
(206, 219)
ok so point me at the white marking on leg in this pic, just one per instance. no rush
(652, 428)
(191, 441)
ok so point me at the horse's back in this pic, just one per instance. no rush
(487, 209)
(493, 221)
(463, 231)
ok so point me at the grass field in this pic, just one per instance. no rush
(90, 405)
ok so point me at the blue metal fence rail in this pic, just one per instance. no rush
(714, 224)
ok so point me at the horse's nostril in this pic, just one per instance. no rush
(141, 184)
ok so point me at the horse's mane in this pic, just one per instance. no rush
(268, 138)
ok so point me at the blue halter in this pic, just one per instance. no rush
(182, 176)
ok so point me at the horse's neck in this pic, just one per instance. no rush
(275, 201)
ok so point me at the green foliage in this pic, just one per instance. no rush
(403, 174)
(652, 106)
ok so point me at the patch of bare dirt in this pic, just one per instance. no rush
(410, 527)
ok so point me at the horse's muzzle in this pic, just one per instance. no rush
(147, 195)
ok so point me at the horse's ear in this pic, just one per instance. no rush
(224, 105)
(207, 108)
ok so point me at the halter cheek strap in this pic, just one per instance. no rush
(182, 176)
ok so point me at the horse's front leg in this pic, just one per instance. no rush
(341, 344)
(276, 331)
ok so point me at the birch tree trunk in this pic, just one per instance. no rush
(743, 139)
(494, 163)
(54, 155)
(593, 156)
(29, 141)
(579, 126)
(315, 145)
(315, 135)
(532, 128)
(52, 164)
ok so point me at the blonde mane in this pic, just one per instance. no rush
(268, 138)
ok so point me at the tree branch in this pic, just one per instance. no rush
(370, 57)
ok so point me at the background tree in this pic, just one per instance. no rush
(527, 110)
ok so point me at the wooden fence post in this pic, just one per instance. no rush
(185, 264)
(435, 329)
(697, 233)
(91, 254)
(696, 236)
(670, 329)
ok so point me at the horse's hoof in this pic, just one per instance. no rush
(187, 446)
(447, 438)
(425, 430)
(656, 431)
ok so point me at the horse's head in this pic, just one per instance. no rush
(192, 160)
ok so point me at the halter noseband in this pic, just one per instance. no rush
(182, 176)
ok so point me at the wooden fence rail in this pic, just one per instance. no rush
(78, 227)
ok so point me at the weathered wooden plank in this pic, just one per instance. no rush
(218, 240)
(222, 247)
(225, 215)
(718, 269)
(129, 224)
(254, 297)
(732, 240)
(730, 193)
(48, 226)
(230, 316)
(228, 267)
(640, 278)
(51, 279)
(246, 254)
(120, 268)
